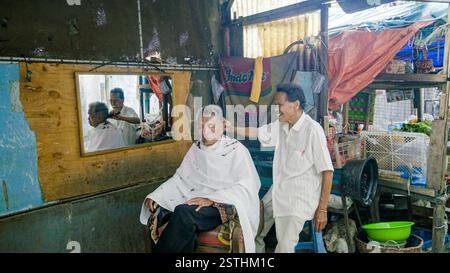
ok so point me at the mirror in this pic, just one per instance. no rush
(117, 111)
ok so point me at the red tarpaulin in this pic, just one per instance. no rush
(355, 58)
(155, 84)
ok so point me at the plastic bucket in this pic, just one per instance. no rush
(360, 180)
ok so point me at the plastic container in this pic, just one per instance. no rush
(427, 236)
(360, 180)
(389, 231)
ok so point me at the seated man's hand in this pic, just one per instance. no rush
(200, 202)
(158, 129)
(151, 205)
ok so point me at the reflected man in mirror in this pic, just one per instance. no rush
(217, 172)
(104, 135)
(123, 117)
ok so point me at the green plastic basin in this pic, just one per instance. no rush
(389, 231)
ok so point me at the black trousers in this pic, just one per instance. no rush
(180, 235)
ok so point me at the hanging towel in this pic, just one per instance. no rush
(257, 80)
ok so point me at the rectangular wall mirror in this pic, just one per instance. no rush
(118, 111)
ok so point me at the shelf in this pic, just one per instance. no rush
(401, 186)
(407, 81)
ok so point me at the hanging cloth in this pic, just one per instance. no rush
(257, 80)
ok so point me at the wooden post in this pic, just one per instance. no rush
(440, 227)
(437, 159)
(226, 19)
(323, 98)
(418, 103)
(438, 140)
(345, 124)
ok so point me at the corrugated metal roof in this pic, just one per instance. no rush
(249, 7)
(271, 38)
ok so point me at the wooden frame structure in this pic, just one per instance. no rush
(435, 192)
(436, 189)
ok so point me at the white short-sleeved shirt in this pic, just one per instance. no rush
(128, 129)
(301, 155)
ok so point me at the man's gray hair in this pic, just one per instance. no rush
(99, 107)
(209, 111)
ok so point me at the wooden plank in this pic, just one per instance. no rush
(412, 78)
(425, 211)
(401, 86)
(402, 186)
(407, 81)
(50, 106)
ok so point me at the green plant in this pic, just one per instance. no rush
(423, 127)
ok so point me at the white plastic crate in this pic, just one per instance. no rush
(348, 148)
(399, 154)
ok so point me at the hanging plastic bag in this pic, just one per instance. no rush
(217, 89)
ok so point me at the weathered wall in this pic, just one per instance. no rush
(104, 223)
(109, 29)
(50, 106)
(19, 183)
(184, 31)
(182, 28)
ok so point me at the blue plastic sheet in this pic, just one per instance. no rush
(386, 16)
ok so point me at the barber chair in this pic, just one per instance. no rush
(226, 238)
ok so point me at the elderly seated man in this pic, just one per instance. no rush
(217, 171)
(103, 135)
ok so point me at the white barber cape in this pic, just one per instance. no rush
(103, 137)
(224, 173)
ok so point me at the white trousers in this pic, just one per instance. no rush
(287, 229)
(268, 222)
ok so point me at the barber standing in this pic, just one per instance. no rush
(123, 117)
(302, 170)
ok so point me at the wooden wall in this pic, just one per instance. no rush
(50, 106)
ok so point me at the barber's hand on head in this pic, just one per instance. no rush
(320, 219)
(113, 114)
(200, 202)
(151, 205)
(116, 117)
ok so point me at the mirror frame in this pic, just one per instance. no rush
(80, 116)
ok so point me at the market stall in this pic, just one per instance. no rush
(397, 110)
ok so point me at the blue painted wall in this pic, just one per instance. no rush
(19, 183)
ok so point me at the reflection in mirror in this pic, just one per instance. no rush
(119, 111)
